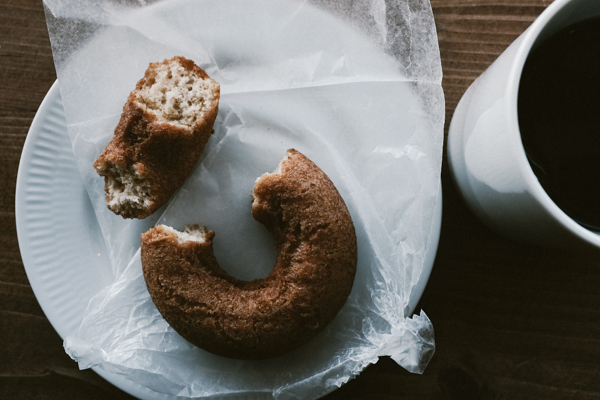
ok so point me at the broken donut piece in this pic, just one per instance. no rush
(310, 282)
(165, 125)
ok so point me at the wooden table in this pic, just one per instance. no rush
(511, 321)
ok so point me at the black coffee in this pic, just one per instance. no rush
(559, 119)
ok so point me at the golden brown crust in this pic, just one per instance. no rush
(311, 280)
(162, 153)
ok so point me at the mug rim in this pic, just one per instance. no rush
(515, 142)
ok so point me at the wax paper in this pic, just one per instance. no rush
(353, 85)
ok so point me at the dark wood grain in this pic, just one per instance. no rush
(511, 321)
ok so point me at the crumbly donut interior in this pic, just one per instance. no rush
(127, 191)
(192, 233)
(176, 95)
(277, 171)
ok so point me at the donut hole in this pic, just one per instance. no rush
(175, 94)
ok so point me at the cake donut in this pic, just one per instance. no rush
(165, 124)
(310, 282)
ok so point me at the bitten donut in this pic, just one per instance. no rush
(310, 282)
(166, 122)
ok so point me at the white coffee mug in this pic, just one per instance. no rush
(485, 152)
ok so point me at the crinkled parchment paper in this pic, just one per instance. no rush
(354, 85)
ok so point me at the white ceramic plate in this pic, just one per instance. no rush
(60, 241)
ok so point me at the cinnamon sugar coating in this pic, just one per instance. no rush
(310, 282)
